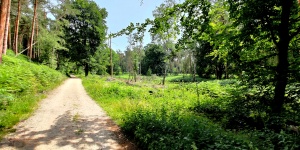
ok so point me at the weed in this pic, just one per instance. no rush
(79, 131)
(76, 117)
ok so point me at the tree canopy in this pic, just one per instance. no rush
(85, 32)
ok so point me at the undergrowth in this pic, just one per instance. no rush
(22, 85)
(203, 115)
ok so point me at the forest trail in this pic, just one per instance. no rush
(67, 119)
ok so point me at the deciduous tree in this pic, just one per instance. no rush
(85, 32)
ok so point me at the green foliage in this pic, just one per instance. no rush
(50, 42)
(149, 72)
(248, 108)
(172, 129)
(154, 59)
(85, 32)
(100, 62)
(207, 115)
(22, 84)
(257, 41)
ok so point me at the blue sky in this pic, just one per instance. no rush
(122, 12)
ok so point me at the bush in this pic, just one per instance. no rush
(172, 129)
(149, 72)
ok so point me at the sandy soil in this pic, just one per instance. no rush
(67, 119)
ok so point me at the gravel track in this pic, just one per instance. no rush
(67, 119)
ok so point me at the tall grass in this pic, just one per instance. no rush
(184, 115)
(22, 85)
(159, 117)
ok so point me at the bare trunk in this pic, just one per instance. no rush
(194, 72)
(282, 66)
(36, 38)
(165, 74)
(7, 26)
(134, 76)
(111, 64)
(86, 69)
(9, 38)
(3, 14)
(226, 71)
(16, 33)
(32, 29)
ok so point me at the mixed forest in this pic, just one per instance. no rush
(218, 74)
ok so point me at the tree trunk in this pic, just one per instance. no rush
(86, 69)
(165, 73)
(134, 75)
(7, 26)
(3, 13)
(194, 72)
(9, 38)
(226, 71)
(32, 29)
(282, 66)
(111, 64)
(16, 33)
(36, 35)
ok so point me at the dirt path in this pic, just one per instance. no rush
(67, 119)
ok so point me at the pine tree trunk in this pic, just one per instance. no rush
(9, 38)
(32, 29)
(3, 13)
(36, 38)
(16, 33)
(7, 26)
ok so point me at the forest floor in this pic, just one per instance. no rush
(67, 119)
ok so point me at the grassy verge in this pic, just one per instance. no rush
(160, 117)
(22, 85)
(203, 115)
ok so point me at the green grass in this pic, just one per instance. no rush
(22, 85)
(184, 115)
(159, 117)
(118, 96)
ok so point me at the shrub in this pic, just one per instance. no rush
(172, 129)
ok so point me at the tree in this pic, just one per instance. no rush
(29, 53)
(165, 36)
(85, 32)
(274, 22)
(16, 31)
(3, 17)
(154, 59)
(135, 53)
(7, 28)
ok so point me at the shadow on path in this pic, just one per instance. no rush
(70, 132)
